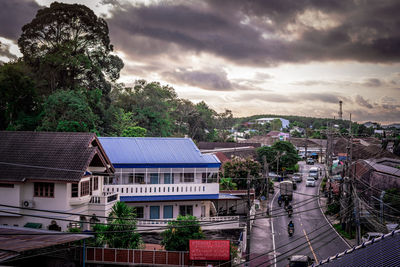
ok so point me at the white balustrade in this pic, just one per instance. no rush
(162, 189)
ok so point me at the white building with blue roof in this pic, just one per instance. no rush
(163, 177)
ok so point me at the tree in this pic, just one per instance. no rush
(67, 111)
(227, 184)
(151, 105)
(238, 168)
(180, 231)
(134, 131)
(19, 105)
(295, 133)
(202, 123)
(283, 151)
(122, 218)
(69, 47)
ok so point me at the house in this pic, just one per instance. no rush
(370, 124)
(163, 178)
(262, 121)
(53, 180)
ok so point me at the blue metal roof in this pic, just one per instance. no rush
(167, 198)
(155, 152)
(176, 197)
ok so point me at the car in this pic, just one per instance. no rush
(310, 182)
(370, 235)
(300, 261)
(314, 172)
(297, 178)
(310, 161)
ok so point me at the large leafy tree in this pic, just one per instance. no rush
(67, 111)
(282, 151)
(180, 231)
(69, 47)
(238, 169)
(19, 105)
(151, 105)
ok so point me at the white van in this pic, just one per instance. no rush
(314, 172)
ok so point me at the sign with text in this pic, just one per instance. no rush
(212, 250)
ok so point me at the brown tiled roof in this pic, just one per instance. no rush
(56, 156)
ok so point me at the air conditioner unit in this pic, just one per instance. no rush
(27, 204)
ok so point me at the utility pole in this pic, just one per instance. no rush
(305, 147)
(266, 170)
(248, 221)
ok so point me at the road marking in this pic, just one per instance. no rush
(272, 228)
(312, 250)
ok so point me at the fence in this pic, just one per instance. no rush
(112, 256)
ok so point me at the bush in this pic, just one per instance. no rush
(333, 208)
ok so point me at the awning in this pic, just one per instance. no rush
(33, 225)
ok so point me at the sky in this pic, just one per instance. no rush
(286, 57)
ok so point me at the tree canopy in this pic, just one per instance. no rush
(180, 231)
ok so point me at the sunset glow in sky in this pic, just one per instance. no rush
(297, 57)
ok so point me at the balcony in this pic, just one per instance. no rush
(104, 199)
(162, 189)
(207, 223)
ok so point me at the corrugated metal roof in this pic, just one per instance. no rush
(381, 251)
(155, 151)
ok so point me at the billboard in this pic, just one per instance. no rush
(212, 250)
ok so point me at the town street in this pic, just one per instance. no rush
(313, 235)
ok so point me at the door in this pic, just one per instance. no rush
(154, 212)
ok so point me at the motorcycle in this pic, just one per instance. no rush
(280, 202)
(290, 231)
(290, 212)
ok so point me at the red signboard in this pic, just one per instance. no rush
(212, 250)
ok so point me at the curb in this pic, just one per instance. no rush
(319, 204)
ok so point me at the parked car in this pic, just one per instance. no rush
(310, 161)
(310, 181)
(297, 177)
(300, 261)
(370, 235)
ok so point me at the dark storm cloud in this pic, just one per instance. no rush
(252, 32)
(14, 15)
(209, 80)
(5, 51)
(363, 102)
(322, 97)
(373, 82)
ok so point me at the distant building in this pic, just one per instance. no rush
(262, 121)
(370, 124)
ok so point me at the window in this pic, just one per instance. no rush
(153, 178)
(139, 212)
(95, 183)
(168, 212)
(85, 188)
(44, 189)
(154, 212)
(139, 178)
(74, 190)
(186, 210)
(168, 178)
(188, 177)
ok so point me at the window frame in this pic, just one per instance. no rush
(74, 190)
(85, 188)
(188, 177)
(43, 189)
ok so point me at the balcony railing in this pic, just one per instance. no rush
(219, 222)
(162, 189)
(106, 198)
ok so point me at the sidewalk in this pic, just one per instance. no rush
(334, 220)
(261, 239)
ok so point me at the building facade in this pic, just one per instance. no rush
(53, 180)
(162, 177)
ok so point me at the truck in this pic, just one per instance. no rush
(286, 188)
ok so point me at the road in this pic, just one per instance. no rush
(313, 234)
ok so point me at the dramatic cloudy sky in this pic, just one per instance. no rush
(295, 57)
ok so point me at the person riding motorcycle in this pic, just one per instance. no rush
(290, 210)
(290, 228)
(280, 200)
